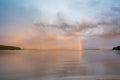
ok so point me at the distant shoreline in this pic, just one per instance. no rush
(116, 48)
(5, 47)
(66, 49)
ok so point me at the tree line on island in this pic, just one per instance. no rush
(4, 47)
(116, 48)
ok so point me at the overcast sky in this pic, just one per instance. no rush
(60, 24)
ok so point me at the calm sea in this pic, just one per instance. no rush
(59, 65)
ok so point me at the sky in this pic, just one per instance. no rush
(60, 24)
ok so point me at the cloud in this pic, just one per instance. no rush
(113, 30)
(68, 29)
(116, 9)
(58, 20)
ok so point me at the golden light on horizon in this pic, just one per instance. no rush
(64, 44)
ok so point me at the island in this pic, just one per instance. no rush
(116, 48)
(4, 47)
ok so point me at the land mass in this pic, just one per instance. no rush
(4, 47)
(116, 48)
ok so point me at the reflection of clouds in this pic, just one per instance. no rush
(58, 63)
(36, 64)
(14, 65)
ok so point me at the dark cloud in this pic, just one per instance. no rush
(116, 9)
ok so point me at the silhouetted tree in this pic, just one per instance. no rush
(116, 48)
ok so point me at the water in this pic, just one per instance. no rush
(59, 65)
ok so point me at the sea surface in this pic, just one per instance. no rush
(60, 65)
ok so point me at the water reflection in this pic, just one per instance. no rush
(117, 52)
(30, 64)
